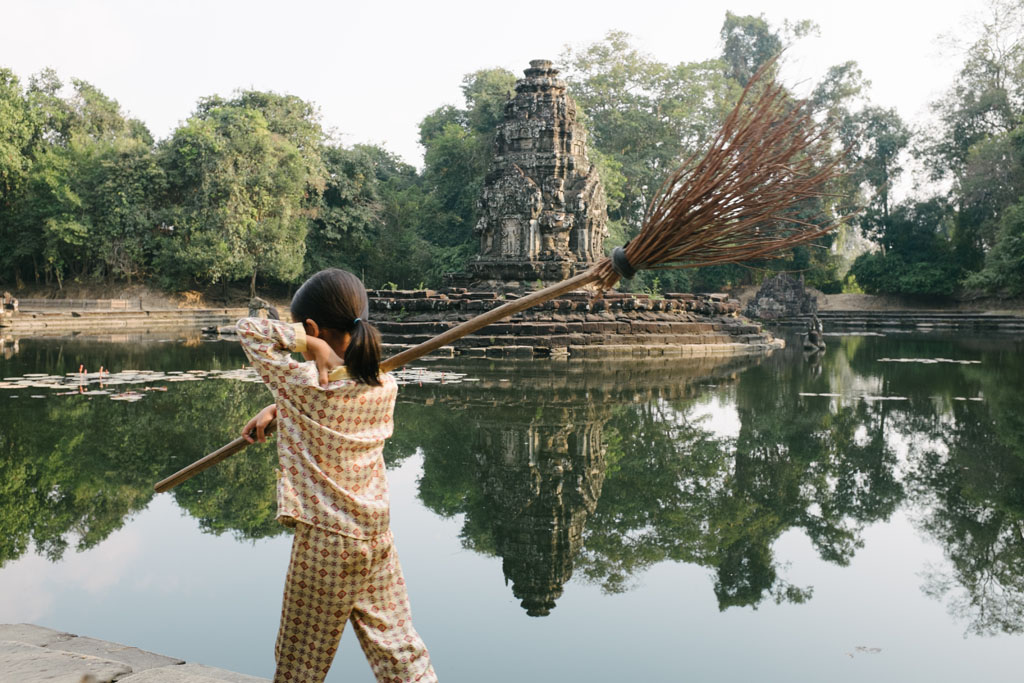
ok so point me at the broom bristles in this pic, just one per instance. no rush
(741, 200)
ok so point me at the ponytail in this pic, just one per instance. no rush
(336, 299)
(362, 357)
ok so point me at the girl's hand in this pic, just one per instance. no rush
(324, 357)
(259, 423)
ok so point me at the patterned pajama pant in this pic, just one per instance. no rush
(333, 579)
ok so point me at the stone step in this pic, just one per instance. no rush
(550, 327)
(572, 339)
(923, 320)
(918, 313)
(148, 313)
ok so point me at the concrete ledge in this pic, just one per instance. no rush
(30, 634)
(33, 654)
(191, 673)
(30, 663)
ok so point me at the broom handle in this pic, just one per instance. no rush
(206, 462)
(400, 359)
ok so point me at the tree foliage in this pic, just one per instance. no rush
(240, 176)
(249, 188)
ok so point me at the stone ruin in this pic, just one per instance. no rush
(575, 325)
(542, 209)
(543, 218)
(782, 297)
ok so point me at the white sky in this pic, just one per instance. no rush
(375, 69)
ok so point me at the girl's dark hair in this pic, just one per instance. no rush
(336, 299)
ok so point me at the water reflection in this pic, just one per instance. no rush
(614, 470)
(598, 472)
(526, 461)
(75, 468)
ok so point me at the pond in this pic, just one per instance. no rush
(857, 516)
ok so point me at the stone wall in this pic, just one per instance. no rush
(75, 321)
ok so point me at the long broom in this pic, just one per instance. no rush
(741, 201)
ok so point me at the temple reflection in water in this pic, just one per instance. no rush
(545, 475)
(538, 454)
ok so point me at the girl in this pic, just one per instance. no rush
(333, 416)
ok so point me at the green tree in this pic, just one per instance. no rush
(349, 211)
(645, 115)
(83, 207)
(748, 42)
(19, 132)
(17, 129)
(917, 258)
(987, 97)
(458, 146)
(370, 218)
(1003, 272)
(876, 137)
(976, 144)
(238, 194)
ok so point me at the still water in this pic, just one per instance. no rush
(858, 516)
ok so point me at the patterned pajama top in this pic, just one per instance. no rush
(330, 439)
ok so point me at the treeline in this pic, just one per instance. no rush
(251, 189)
(971, 237)
(245, 188)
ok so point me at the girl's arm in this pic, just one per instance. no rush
(270, 343)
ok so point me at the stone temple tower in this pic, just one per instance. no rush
(542, 209)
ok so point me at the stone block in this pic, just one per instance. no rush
(190, 673)
(442, 352)
(577, 339)
(24, 663)
(31, 634)
(138, 660)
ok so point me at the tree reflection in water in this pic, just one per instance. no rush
(76, 468)
(595, 470)
(610, 470)
(969, 484)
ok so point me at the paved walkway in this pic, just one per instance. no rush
(31, 654)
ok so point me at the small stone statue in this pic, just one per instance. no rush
(261, 308)
(814, 340)
(10, 303)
